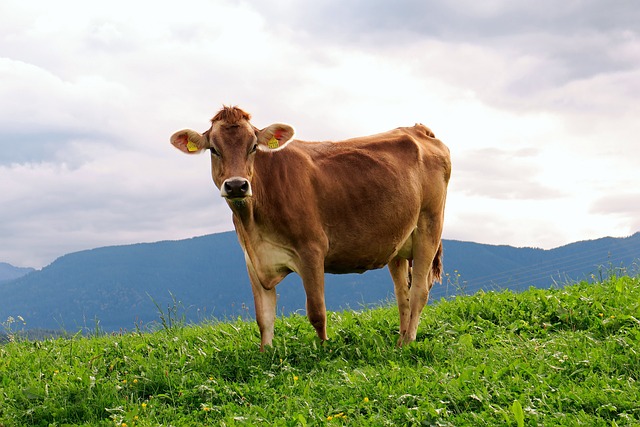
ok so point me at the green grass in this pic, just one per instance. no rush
(566, 357)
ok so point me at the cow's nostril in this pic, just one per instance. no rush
(234, 188)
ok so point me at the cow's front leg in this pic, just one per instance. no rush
(313, 281)
(265, 304)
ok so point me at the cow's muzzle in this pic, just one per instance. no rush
(236, 188)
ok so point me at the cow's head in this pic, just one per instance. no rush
(233, 143)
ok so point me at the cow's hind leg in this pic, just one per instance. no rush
(313, 281)
(427, 250)
(399, 269)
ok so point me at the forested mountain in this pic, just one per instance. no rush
(118, 287)
(9, 272)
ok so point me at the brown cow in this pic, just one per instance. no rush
(335, 207)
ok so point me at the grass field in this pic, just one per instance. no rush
(566, 357)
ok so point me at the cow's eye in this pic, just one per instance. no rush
(214, 152)
(254, 147)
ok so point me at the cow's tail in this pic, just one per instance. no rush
(436, 266)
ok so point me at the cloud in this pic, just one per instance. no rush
(503, 174)
(46, 113)
(624, 206)
(508, 53)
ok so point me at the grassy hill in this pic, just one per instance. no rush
(568, 356)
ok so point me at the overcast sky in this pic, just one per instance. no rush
(539, 103)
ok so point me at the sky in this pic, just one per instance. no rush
(539, 103)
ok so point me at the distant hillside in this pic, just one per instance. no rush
(9, 272)
(116, 285)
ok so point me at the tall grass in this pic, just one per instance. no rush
(568, 356)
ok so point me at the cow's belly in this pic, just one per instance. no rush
(368, 255)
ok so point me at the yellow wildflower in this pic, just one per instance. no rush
(336, 416)
(295, 378)
(366, 399)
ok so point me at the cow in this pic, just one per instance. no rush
(329, 207)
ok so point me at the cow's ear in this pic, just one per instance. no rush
(274, 137)
(189, 141)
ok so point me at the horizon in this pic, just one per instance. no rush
(233, 231)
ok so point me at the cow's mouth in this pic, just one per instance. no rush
(238, 203)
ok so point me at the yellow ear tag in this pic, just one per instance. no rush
(191, 146)
(273, 143)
